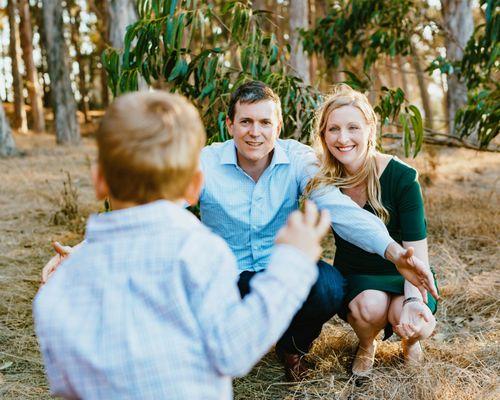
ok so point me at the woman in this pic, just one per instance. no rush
(377, 296)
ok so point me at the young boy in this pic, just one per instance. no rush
(148, 306)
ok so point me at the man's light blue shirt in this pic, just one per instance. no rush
(248, 214)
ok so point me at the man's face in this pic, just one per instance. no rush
(255, 129)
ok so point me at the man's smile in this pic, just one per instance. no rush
(253, 144)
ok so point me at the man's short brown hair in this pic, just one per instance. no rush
(149, 145)
(253, 92)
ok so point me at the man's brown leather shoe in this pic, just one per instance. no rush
(296, 367)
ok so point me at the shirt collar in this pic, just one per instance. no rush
(229, 154)
(129, 221)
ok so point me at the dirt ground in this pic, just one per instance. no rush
(461, 189)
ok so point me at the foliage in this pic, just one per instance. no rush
(367, 29)
(478, 68)
(370, 29)
(202, 51)
(389, 109)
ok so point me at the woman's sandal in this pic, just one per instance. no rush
(413, 359)
(364, 372)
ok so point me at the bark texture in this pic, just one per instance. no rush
(32, 83)
(62, 98)
(459, 25)
(7, 145)
(299, 19)
(20, 121)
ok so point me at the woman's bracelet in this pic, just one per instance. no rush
(411, 300)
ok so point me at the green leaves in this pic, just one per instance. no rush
(368, 29)
(202, 50)
(391, 108)
(479, 69)
(179, 71)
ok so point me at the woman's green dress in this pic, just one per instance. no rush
(402, 197)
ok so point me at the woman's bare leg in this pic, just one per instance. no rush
(412, 351)
(367, 315)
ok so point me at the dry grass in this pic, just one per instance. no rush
(462, 358)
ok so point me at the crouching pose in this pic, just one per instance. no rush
(377, 296)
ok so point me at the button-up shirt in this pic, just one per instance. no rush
(148, 308)
(248, 214)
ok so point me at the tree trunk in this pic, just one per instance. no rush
(390, 71)
(100, 9)
(34, 89)
(299, 19)
(7, 145)
(459, 25)
(63, 101)
(423, 88)
(20, 121)
(121, 14)
(80, 59)
(37, 13)
(404, 78)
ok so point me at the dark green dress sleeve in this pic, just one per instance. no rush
(411, 208)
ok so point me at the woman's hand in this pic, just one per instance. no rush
(416, 321)
(412, 268)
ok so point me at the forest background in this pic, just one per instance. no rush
(430, 67)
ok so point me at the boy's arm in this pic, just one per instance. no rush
(237, 332)
(42, 311)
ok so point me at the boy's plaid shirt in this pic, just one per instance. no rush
(148, 308)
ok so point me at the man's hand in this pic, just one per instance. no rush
(416, 321)
(305, 230)
(412, 268)
(54, 262)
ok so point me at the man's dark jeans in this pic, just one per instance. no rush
(323, 303)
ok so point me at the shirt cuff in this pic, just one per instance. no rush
(381, 245)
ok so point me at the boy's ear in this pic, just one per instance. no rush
(100, 186)
(193, 190)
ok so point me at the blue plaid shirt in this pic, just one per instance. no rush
(248, 215)
(148, 308)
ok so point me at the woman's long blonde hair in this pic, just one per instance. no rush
(332, 172)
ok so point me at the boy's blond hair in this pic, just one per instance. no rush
(149, 145)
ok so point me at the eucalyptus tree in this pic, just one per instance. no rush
(299, 19)
(203, 49)
(20, 120)
(459, 26)
(7, 145)
(62, 98)
(33, 85)
(479, 68)
(370, 29)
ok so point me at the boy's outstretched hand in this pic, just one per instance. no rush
(304, 230)
(54, 262)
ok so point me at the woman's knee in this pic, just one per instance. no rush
(370, 306)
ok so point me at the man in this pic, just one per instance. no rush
(252, 183)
